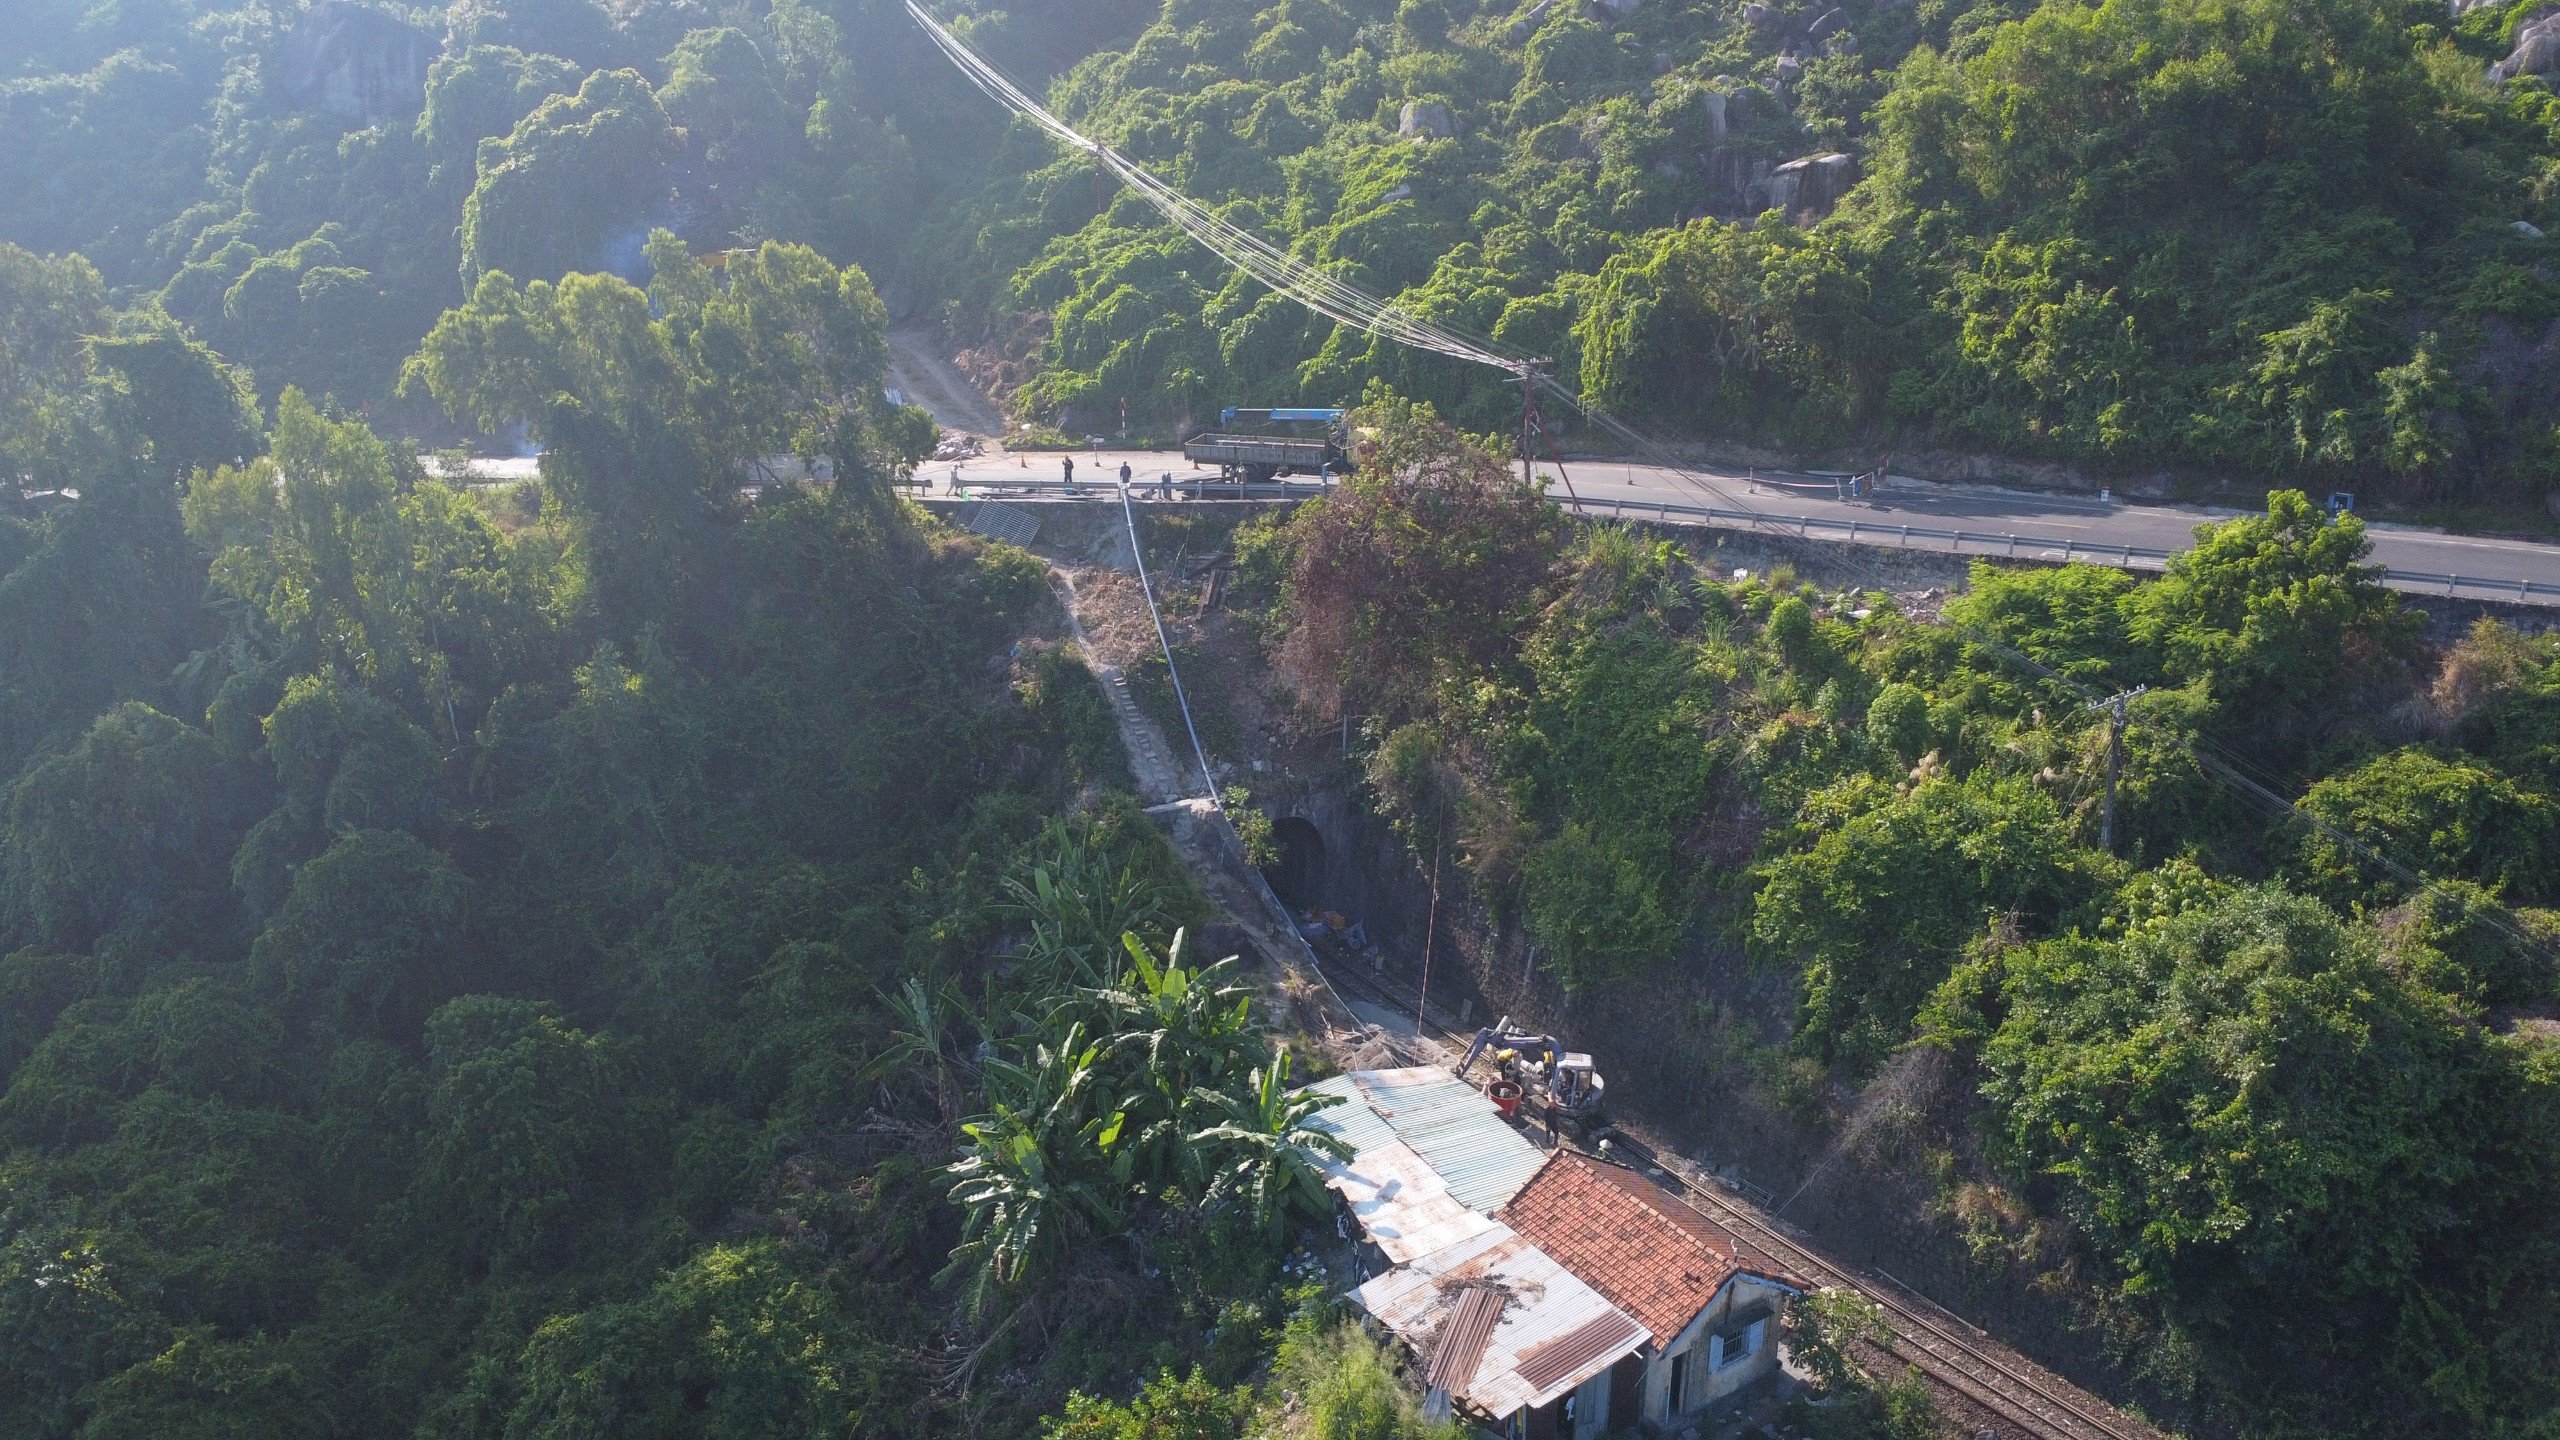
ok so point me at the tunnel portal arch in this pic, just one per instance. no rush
(1297, 876)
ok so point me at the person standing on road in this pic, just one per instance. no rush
(1124, 474)
(1164, 487)
(1069, 461)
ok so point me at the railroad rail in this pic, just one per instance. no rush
(1947, 1349)
(2040, 1406)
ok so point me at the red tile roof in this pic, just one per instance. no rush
(1626, 1237)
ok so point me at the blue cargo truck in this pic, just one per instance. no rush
(1254, 447)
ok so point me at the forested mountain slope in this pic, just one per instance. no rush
(661, 952)
(2245, 236)
(2254, 1096)
(2256, 238)
(517, 962)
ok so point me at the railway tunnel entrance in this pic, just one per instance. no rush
(1297, 876)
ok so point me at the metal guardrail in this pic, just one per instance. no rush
(2000, 544)
(2123, 557)
(1141, 487)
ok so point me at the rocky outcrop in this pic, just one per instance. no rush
(1806, 189)
(1426, 120)
(354, 61)
(2537, 50)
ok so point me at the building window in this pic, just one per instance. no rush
(1737, 1344)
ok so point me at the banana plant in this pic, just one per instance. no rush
(1078, 901)
(1261, 1153)
(929, 1041)
(1034, 1183)
(1175, 1032)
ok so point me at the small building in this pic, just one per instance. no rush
(1710, 1304)
(1548, 1296)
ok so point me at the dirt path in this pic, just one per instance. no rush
(1151, 760)
(921, 372)
(1107, 616)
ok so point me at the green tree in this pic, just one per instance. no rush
(170, 396)
(2279, 616)
(49, 306)
(69, 1314)
(313, 537)
(1876, 909)
(368, 938)
(2447, 818)
(481, 92)
(1167, 1409)
(101, 613)
(719, 91)
(121, 829)
(652, 422)
(1898, 724)
(2261, 1124)
(579, 173)
(204, 1387)
(741, 1341)
(2070, 618)
(528, 1137)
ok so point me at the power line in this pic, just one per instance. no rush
(1347, 304)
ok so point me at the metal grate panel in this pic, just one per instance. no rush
(1003, 522)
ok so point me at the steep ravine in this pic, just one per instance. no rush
(1694, 1054)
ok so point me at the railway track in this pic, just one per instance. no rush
(2029, 1404)
(1944, 1347)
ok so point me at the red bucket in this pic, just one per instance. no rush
(1505, 1095)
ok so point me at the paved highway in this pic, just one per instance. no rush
(1968, 519)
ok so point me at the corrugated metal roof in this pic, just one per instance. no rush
(1450, 1124)
(1399, 1200)
(1553, 1319)
(1352, 1121)
(1459, 1347)
(1572, 1355)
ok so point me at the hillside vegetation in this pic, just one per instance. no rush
(664, 951)
(2245, 239)
(2264, 1096)
(639, 953)
(2254, 237)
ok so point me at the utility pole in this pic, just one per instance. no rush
(1527, 375)
(2114, 706)
(1430, 932)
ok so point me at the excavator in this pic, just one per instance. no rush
(1539, 1068)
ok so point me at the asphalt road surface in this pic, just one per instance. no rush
(1967, 519)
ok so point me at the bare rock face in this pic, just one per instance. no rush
(355, 61)
(1806, 189)
(1426, 120)
(1527, 25)
(2537, 50)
